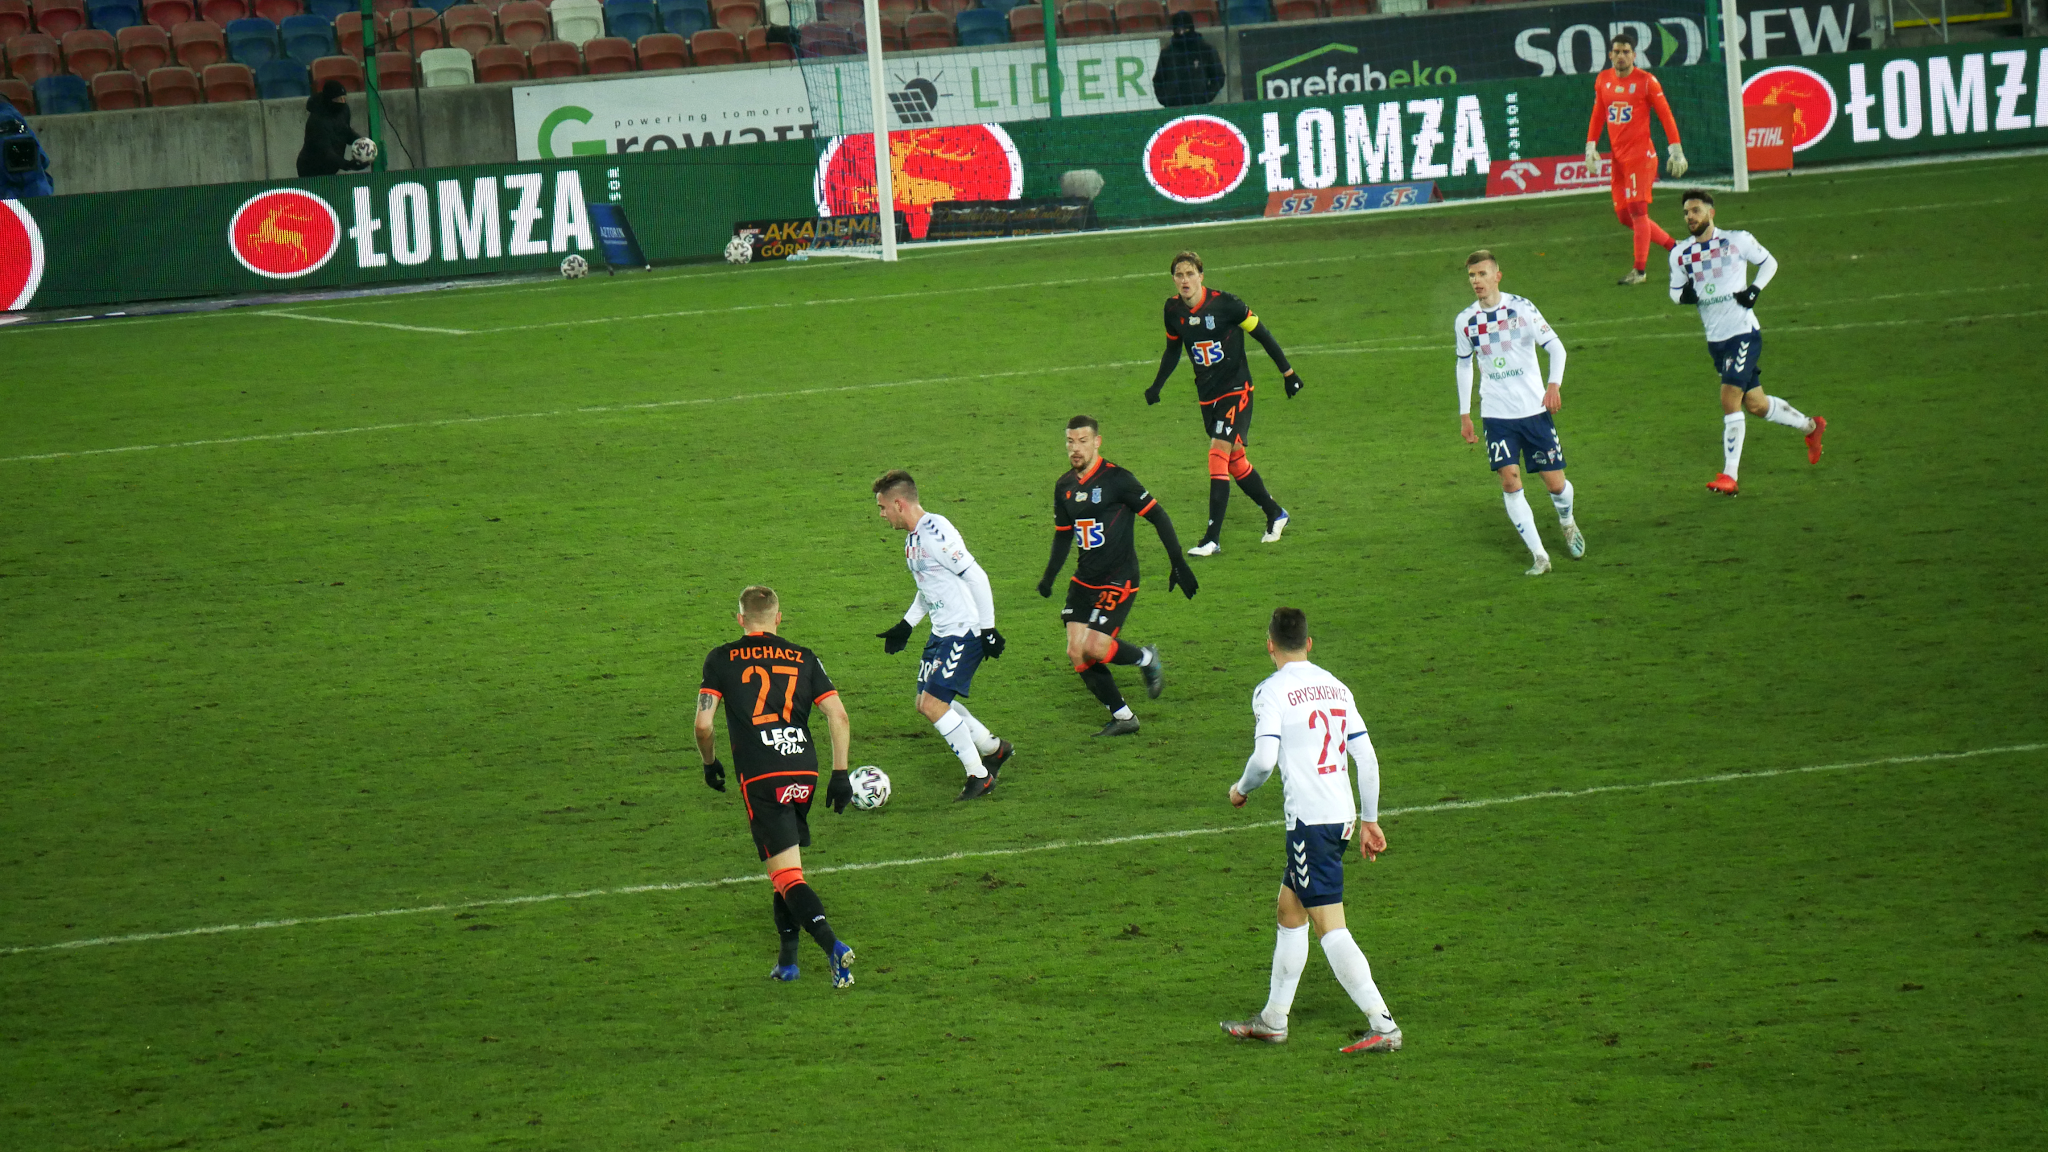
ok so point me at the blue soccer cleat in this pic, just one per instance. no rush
(783, 972)
(842, 965)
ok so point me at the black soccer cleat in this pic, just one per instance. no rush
(978, 786)
(1154, 672)
(1117, 727)
(994, 761)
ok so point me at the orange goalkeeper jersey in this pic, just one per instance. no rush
(1624, 104)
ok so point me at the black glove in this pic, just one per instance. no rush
(839, 793)
(714, 776)
(1152, 395)
(1045, 586)
(1183, 578)
(1688, 294)
(992, 643)
(1747, 297)
(1292, 380)
(896, 637)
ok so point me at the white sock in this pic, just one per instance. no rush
(1124, 713)
(1144, 657)
(984, 740)
(1782, 413)
(1562, 501)
(1524, 522)
(1290, 956)
(1356, 976)
(954, 729)
(1733, 427)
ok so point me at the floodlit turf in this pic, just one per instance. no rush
(447, 653)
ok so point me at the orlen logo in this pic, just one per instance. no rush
(284, 233)
(21, 256)
(1196, 159)
(926, 165)
(1810, 96)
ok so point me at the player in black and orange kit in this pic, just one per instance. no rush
(1211, 326)
(769, 687)
(1097, 505)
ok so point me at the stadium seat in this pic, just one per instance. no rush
(736, 16)
(789, 13)
(282, 79)
(168, 14)
(761, 50)
(469, 27)
(229, 83)
(1354, 7)
(1004, 6)
(685, 18)
(397, 70)
(56, 17)
(822, 39)
(1027, 23)
(552, 58)
(895, 10)
(607, 55)
(59, 95)
(1287, 11)
(307, 38)
(715, 46)
(524, 23)
(628, 20)
(252, 41)
(662, 50)
(118, 91)
(346, 70)
(951, 8)
(197, 43)
(446, 68)
(277, 11)
(144, 48)
(88, 52)
(32, 56)
(1205, 12)
(416, 30)
(18, 93)
(110, 16)
(500, 64)
(385, 8)
(1247, 12)
(172, 86)
(329, 9)
(982, 26)
(223, 12)
(928, 30)
(14, 20)
(1086, 18)
(577, 20)
(1143, 15)
(845, 13)
(348, 32)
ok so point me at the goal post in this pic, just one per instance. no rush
(1731, 63)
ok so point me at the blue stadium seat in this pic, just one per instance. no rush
(685, 18)
(282, 78)
(631, 19)
(307, 38)
(979, 26)
(1248, 12)
(328, 9)
(1004, 6)
(114, 15)
(252, 40)
(438, 6)
(56, 95)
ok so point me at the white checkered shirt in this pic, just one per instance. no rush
(1718, 268)
(1502, 342)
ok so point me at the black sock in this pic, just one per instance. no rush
(785, 927)
(809, 912)
(1127, 653)
(1100, 682)
(1256, 489)
(1219, 499)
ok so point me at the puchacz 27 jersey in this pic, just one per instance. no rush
(769, 686)
(1313, 717)
(1213, 336)
(1502, 342)
(1718, 268)
(946, 574)
(1101, 508)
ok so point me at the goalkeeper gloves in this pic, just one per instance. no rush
(992, 643)
(839, 793)
(1183, 578)
(1592, 154)
(714, 776)
(1292, 380)
(1152, 395)
(1676, 160)
(896, 637)
(1747, 297)
(1688, 294)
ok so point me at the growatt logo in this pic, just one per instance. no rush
(567, 114)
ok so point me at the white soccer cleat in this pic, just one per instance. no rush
(1541, 566)
(1206, 548)
(1376, 1042)
(1574, 541)
(1274, 529)
(1633, 277)
(1255, 1029)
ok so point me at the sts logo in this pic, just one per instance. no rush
(1089, 533)
(1206, 353)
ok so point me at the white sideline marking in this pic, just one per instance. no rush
(365, 323)
(985, 853)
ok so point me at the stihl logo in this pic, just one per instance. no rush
(793, 793)
(1772, 137)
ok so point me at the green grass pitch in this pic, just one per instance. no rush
(445, 652)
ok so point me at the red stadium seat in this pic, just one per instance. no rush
(1087, 18)
(1141, 16)
(552, 58)
(894, 10)
(928, 30)
(470, 27)
(56, 17)
(168, 14)
(385, 8)
(415, 30)
(500, 64)
(345, 70)
(1291, 10)
(276, 10)
(88, 52)
(144, 48)
(603, 55)
(397, 70)
(1027, 23)
(774, 51)
(736, 16)
(1205, 12)
(228, 83)
(222, 11)
(525, 23)
(822, 39)
(715, 46)
(1354, 7)
(33, 55)
(18, 93)
(846, 13)
(659, 50)
(172, 86)
(948, 7)
(348, 32)
(14, 19)
(197, 43)
(117, 91)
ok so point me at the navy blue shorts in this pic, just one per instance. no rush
(1315, 863)
(1531, 441)
(1739, 360)
(947, 668)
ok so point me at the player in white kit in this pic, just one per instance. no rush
(954, 591)
(1499, 335)
(1710, 270)
(1307, 722)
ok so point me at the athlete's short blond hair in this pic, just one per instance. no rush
(758, 604)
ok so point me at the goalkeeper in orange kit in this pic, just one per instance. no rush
(1623, 98)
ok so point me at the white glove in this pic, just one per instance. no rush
(1677, 162)
(1593, 154)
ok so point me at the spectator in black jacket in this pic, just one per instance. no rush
(1189, 70)
(328, 133)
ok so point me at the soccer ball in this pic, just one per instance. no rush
(738, 251)
(361, 150)
(575, 267)
(870, 786)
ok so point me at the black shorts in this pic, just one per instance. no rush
(1101, 609)
(1229, 417)
(779, 809)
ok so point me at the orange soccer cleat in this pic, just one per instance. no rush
(1724, 484)
(1376, 1042)
(1820, 425)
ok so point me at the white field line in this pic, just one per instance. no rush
(991, 853)
(367, 323)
